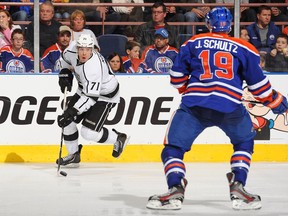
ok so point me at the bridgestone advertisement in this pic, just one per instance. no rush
(30, 104)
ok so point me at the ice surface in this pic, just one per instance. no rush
(102, 189)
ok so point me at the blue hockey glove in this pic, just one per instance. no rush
(278, 104)
(67, 117)
(65, 79)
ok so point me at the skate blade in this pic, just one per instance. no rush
(157, 205)
(241, 205)
(72, 165)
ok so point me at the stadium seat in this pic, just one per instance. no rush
(183, 38)
(110, 43)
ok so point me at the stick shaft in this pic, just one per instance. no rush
(62, 130)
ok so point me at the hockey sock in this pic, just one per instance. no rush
(71, 138)
(240, 165)
(174, 167)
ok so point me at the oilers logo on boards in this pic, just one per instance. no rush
(163, 64)
(15, 66)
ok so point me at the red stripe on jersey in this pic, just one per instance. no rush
(241, 158)
(216, 88)
(174, 165)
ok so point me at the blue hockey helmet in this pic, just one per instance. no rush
(219, 19)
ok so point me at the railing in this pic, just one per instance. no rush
(236, 23)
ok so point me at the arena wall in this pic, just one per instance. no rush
(29, 105)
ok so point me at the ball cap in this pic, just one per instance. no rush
(162, 32)
(64, 28)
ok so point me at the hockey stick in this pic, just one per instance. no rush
(62, 137)
(253, 102)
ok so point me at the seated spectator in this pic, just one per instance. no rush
(48, 29)
(278, 16)
(50, 59)
(132, 61)
(159, 57)
(145, 32)
(16, 12)
(244, 34)
(196, 14)
(129, 14)
(97, 14)
(78, 23)
(175, 14)
(61, 13)
(247, 14)
(116, 63)
(263, 32)
(6, 28)
(277, 59)
(14, 58)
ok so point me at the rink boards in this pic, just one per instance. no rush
(29, 105)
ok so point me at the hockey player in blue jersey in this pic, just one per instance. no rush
(209, 72)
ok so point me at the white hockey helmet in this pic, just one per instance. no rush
(85, 40)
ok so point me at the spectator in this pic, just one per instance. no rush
(263, 32)
(132, 61)
(159, 57)
(247, 14)
(278, 16)
(48, 29)
(16, 12)
(116, 63)
(175, 14)
(96, 14)
(61, 13)
(277, 60)
(6, 28)
(129, 14)
(196, 14)
(145, 32)
(78, 23)
(244, 34)
(50, 58)
(14, 58)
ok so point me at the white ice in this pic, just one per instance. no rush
(101, 189)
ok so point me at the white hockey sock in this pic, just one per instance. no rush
(71, 146)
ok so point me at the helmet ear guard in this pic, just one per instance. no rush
(219, 19)
(85, 40)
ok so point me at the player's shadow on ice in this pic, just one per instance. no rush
(140, 203)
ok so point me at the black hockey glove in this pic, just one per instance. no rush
(67, 117)
(65, 79)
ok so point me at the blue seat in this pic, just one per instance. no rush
(110, 43)
(183, 38)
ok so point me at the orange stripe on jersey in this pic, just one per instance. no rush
(267, 86)
(241, 158)
(174, 165)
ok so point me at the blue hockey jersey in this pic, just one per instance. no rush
(50, 59)
(210, 69)
(158, 62)
(12, 62)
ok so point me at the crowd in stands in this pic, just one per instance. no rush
(152, 46)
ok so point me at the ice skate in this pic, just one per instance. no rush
(72, 160)
(241, 199)
(120, 144)
(172, 200)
